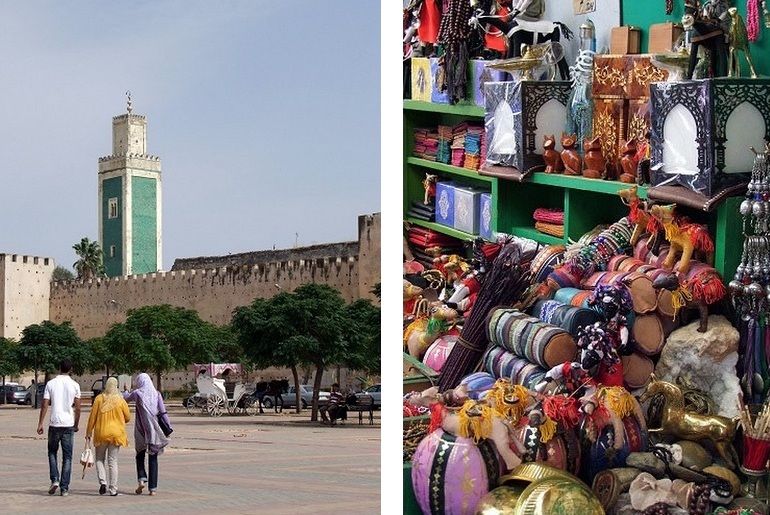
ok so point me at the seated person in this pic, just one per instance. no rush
(351, 399)
(335, 406)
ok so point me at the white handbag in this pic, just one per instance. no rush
(86, 458)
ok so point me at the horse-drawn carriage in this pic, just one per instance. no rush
(217, 395)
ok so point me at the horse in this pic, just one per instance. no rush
(274, 389)
(708, 30)
(675, 420)
(521, 32)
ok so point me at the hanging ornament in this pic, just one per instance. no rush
(766, 14)
(752, 19)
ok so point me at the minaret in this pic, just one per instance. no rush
(130, 200)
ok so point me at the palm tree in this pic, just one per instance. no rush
(90, 263)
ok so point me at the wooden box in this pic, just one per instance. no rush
(702, 130)
(625, 40)
(445, 203)
(610, 126)
(421, 81)
(438, 93)
(610, 76)
(638, 123)
(642, 73)
(485, 216)
(663, 36)
(466, 212)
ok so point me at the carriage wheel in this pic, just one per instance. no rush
(251, 406)
(215, 405)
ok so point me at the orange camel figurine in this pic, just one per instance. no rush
(684, 237)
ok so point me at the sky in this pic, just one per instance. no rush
(266, 118)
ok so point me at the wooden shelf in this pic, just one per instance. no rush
(583, 183)
(467, 110)
(449, 231)
(534, 234)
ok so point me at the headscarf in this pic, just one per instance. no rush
(112, 398)
(147, 393)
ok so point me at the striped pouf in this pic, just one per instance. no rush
(527, 337)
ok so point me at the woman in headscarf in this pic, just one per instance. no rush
(148, 436)
(107, 424)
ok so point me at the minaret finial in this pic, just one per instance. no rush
(128, 104)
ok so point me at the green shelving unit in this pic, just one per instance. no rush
(586, 202)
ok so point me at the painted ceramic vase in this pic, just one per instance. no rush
(562, 451)
(437, 353)
(450, 474)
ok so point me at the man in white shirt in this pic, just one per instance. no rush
(62, 393)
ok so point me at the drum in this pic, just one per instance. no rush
(545, 261)
(648, 334)
(562, 451)
(637, 369)
(441, 467)
(609, 484)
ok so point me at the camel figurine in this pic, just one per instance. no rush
(689, 425)
(684, 238)
(429, 183)
(618, 404)
(739, 40)
(428, 326)
(683, 298)
(639, 216)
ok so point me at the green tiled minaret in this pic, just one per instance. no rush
(130, 200)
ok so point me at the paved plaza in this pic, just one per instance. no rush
(269, 463)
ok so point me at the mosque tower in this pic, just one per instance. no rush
(130, 200)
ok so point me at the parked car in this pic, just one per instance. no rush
(374, 391)
(14, 393)
(29, 396)
(290, 397)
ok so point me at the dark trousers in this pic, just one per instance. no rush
(141, 473)
(63, 436)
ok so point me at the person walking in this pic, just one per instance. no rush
(107, 424)
(149, 440)
(62, 394)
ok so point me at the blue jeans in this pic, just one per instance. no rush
(65, 437)
(141, 473)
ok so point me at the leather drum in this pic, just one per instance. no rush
(648, 334)
(637, 369)
(643, 295)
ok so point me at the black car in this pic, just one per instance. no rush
(14, 393)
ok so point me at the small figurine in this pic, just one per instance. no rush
(639, 215)
(429, 183)
(552, 158)
(739, 40)
(595, 166)
(683, 298)
(708, 27)
(573, 163)
(629, 162)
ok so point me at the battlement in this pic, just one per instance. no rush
(130, 117)
(26, 260)
(130, 155)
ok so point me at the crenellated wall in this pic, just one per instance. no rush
(95, 305)
(24, 289)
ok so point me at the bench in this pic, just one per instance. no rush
(364, 403)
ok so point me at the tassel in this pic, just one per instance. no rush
(617, 399)
(547, 430)
(679, 299)
(437, 414)
(562, 409)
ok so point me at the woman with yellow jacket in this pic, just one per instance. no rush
(107, 423)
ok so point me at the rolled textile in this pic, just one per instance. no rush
(565, 295)
(478, 384)
(544, 344)
(545, 260)
(504, 364)
(550, 229)
(569, 318)
(643, 295)
(648, 334)
(551, 216)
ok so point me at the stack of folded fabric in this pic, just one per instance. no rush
(458, 144)
(421, 211)
(425, 143)
(473, 138)
(549, 221)
(420, 239)
(444, 154)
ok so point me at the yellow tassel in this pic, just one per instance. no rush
(547, 430)
(475, 427)
(680, 298)
(512, 412)
(617, 399)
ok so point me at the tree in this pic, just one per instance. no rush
(305, 327)
(43, 346)
(8, 361)
(90, 264)
(160, 338)
(62, 274)
(364, 337)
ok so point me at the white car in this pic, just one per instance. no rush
(374, 391)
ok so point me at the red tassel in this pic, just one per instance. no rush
(437, 412)
(565, 410)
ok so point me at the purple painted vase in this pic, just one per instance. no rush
(450, 474)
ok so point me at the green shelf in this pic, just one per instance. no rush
(534, 234)
(583, 183)
(457, 109)
(449, 231)
(449, 169)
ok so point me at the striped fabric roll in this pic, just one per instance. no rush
(573, 296)
(545, 261)
(504, 364)
(569, 318)
(478, 384)
(543, 344)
